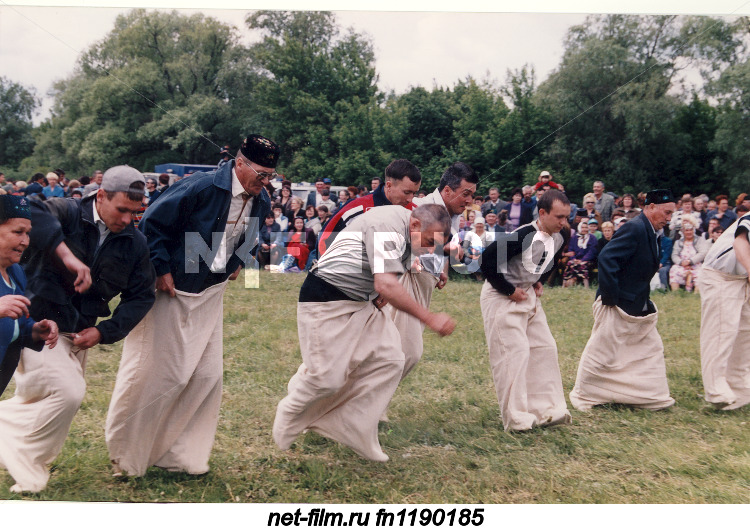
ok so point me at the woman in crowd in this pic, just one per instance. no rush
(589, 204)
(608, 229)
(285, 199)
(628, 207)
(685, 209)
(581, 253)
(311, 219)
(53, 190)
(270, 242)
(17, 329)
(687, 255)
(300, 241)
(296, 209)
(519, 212)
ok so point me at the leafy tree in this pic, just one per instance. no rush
(610, 99)
(310, 77)
(17, 104)
(147, 93)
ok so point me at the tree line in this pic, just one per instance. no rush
(167, 87)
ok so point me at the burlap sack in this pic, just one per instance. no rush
(725, 338)
(623, 362)
(523, 359)
(165, 406)
(352, 364)
(35, 422)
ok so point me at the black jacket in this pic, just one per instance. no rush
(626, 265)
(120, 265)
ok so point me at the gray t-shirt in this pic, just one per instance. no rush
(721, 256)
(377, 241)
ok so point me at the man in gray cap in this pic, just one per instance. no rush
(165, 406)
(81, 255)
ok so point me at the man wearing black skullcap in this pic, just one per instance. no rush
(201, 231)
(623, 361)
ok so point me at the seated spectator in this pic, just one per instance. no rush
(53, 189)
(311, 219)
(300, 241)
(481, 231)
(326, 200)
(280, 219)
(685, 208)
(699, 206)
(712, 224)
(581, 253)
(725, 215)
(628, 208)
(296, 208)
(608, 229)
(589, 204)
(473, 247)
(687, 255)
(285, 199)
(323, 214)
(77, 193)
(594, 229)
(619, 222)
(519, 213)
(492, 227)
(343, 196)
(270, 242)
(471, 217)
(716, 233)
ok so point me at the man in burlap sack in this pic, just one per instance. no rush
(165, 406)
(523, 353)
(345, 383)
(83, 253)
(725, 318)
(623, 361)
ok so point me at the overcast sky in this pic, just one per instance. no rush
(39, 45)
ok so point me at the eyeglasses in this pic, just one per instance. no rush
(261, 175)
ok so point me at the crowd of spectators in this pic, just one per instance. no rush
(289, 234)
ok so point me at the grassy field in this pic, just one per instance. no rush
(445, 438)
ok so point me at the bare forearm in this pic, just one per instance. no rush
(395, 294)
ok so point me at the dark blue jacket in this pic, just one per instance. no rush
(120, 266)
(10, 353)
(198, 204)
(626, 266)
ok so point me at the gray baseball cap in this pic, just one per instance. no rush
(120, 178)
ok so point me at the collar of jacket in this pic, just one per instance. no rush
(378, 196)
(223, 176)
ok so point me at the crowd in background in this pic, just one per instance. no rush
(289, 234)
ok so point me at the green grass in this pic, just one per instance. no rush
(445, 437)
